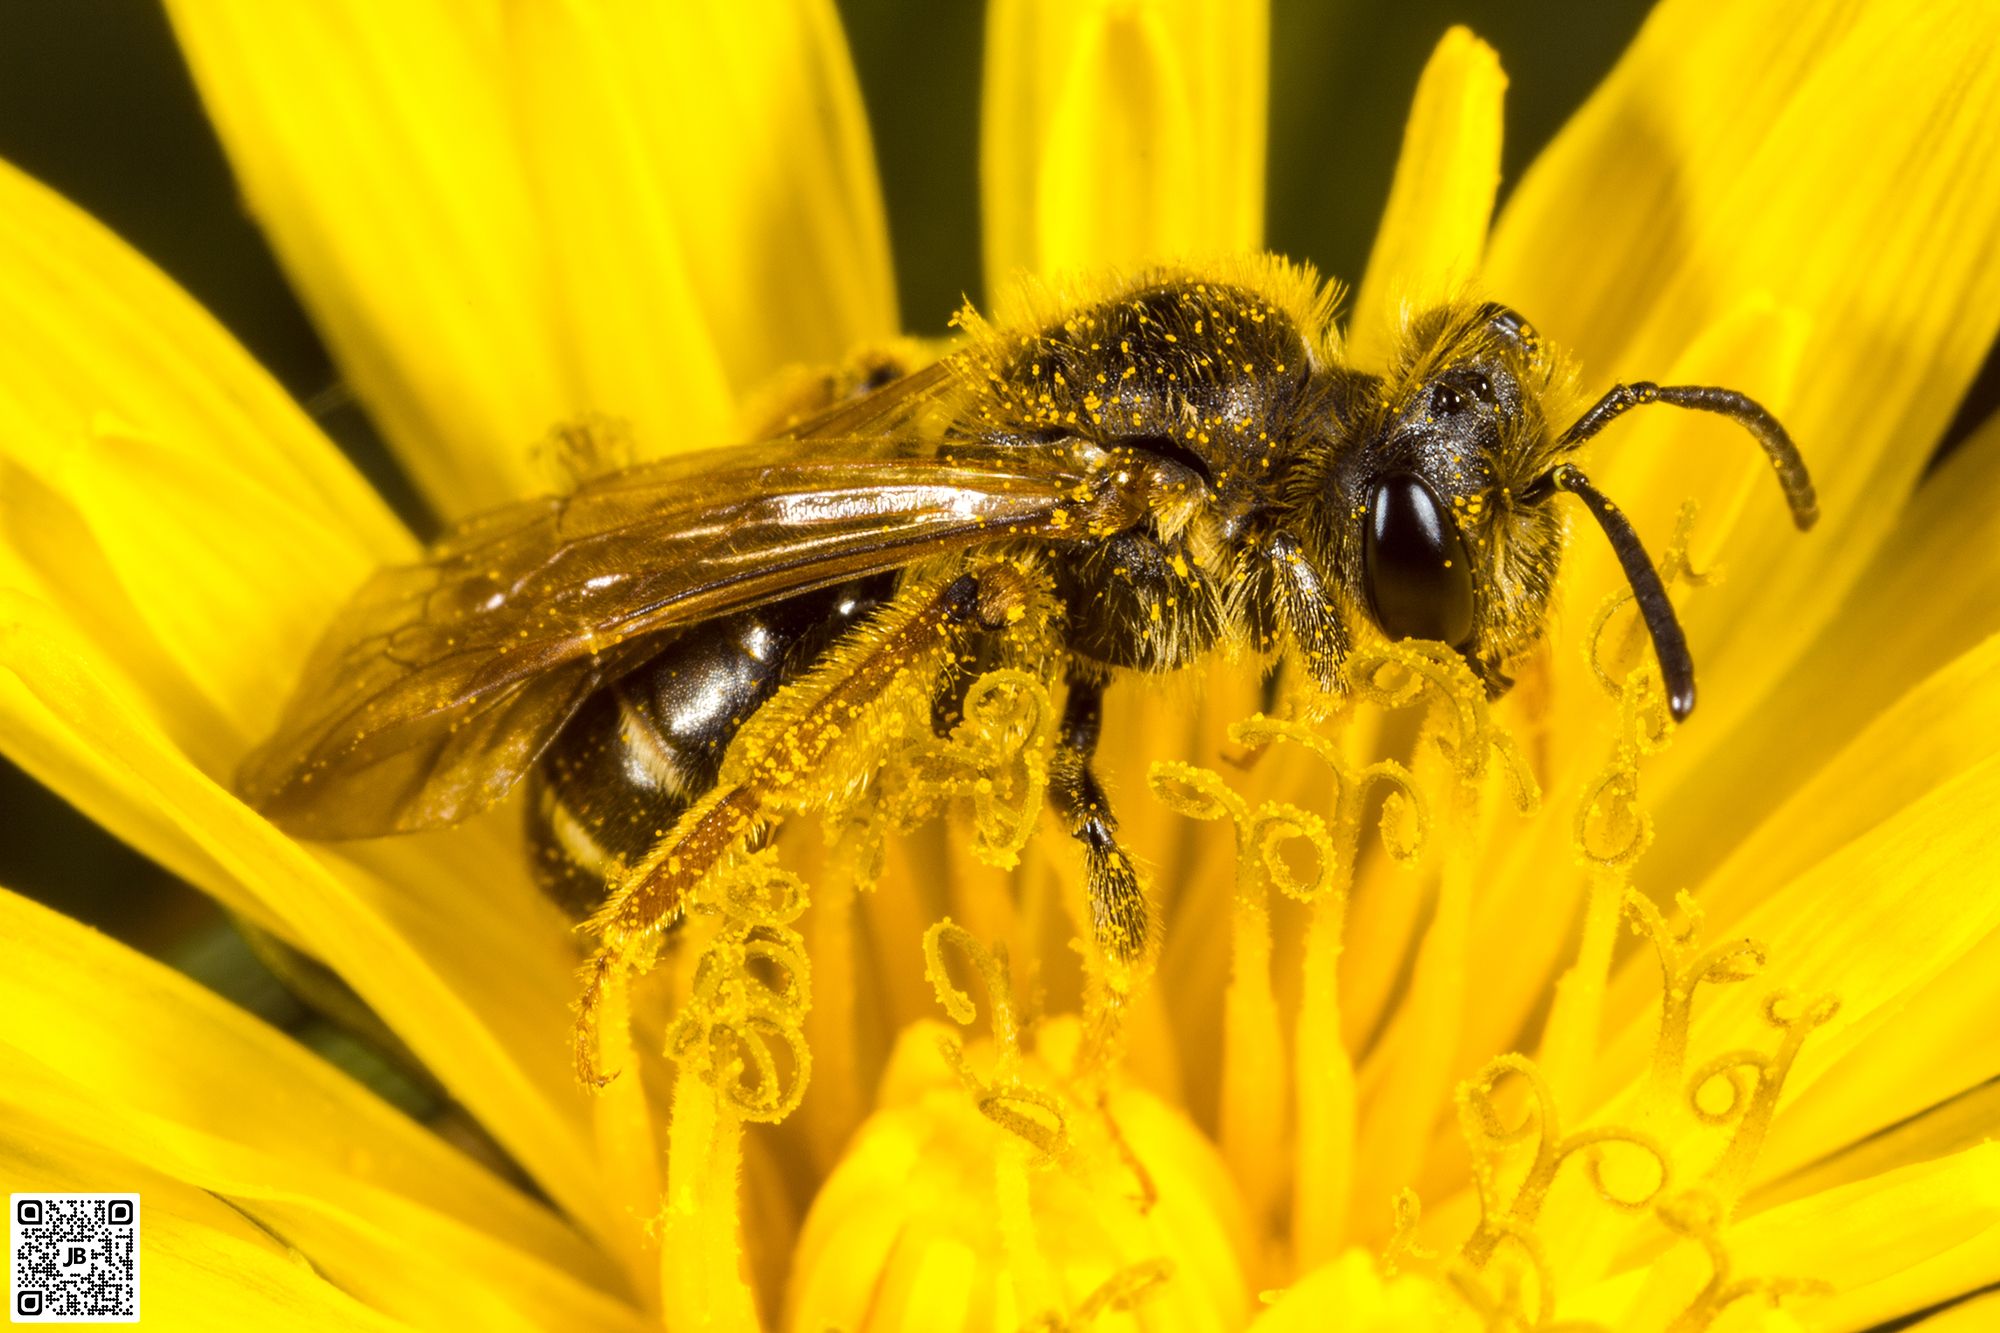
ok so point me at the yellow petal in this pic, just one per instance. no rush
(1433, 231)
(1115, 133)
(718, 156)
(1888, 1247)
(156, 483)
(1880, 1108)
(1870, 925)
(1659, 142)
(160, 483)
(1923, 606)
(1937, 1044)
(195, 528)
(1832, 159)
(478, 985)
(506, 219)
(197, 531)
(1836, 752)
(43, 746)
(1879, 251)
(360, 1238)
(377, 146)
(711, 199)
(1849, 1101)
(102, 340)
(1352, 1295)
(637, 348)
(141, 1040)
(1409, 1073)
(1534, 888)
(121, 1051)
(229, 580)
(203, 1264)
(1929, 597)
(1943, 728)
(477, 871)
(938, 1218)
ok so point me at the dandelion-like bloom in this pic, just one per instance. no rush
(1548, 1013)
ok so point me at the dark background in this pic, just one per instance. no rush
(94, 100)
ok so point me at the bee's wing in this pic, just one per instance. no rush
(441, 682)
(889, 410)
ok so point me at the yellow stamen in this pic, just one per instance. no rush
(701, 1262)
(1323, 1070)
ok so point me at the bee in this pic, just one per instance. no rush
(1161, 468)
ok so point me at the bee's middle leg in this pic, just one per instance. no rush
(1120, 921)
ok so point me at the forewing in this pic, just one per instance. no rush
(892, 410)
(441, 682)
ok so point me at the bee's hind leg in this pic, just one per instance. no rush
(1120, 921)
(776, 752)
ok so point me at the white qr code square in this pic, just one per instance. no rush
(76, 1258)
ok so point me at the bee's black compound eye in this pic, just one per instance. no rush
(1419, 580)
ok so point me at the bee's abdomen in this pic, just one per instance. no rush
(612, 778)
(647, 746)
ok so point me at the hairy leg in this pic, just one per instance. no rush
(782, 748)
(1120, 921)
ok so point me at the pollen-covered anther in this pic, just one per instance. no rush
(1504, 1275)
(742, 1030)
(996, 759)
(1641, 1180)
(1613, 662)
(1700, 1215)
(1403, 1249)
(1743, 1086)
(1120, 1293)
(1311, 859)
(1612, 829)
(1686, 963)
(1405, 820)
(1395, 675)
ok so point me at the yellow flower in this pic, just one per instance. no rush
(1422, 1080)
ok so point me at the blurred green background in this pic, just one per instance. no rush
(94, 101)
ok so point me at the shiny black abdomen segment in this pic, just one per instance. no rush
(645, 747)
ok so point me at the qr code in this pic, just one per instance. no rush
(76, 1258)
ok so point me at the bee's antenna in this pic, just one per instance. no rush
(1670, 645)
(1745, 412)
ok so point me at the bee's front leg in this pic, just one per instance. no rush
(1120, 921)
(1302, 600)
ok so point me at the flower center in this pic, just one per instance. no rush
(1030, 1174)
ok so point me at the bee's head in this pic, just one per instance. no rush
(1423, 509)
(1442, 512)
